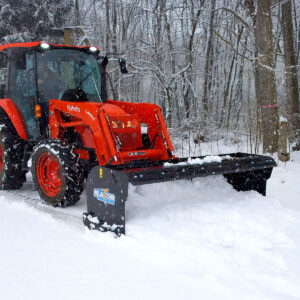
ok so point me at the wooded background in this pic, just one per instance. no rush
(213, 65)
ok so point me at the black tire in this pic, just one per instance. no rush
(11, 154)
(68, 170)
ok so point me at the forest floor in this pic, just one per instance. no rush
(199, 239)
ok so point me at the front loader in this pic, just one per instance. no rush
(57, 122)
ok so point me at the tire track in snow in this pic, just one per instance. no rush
(63, 215)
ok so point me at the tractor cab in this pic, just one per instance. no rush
(38, 72)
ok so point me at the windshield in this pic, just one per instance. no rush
(68, 74)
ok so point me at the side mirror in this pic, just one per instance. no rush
(122, 63)
(104, 61)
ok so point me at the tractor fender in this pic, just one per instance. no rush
(13, 114)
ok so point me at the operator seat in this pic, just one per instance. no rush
(76, 95)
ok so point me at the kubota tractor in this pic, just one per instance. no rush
(56, 120)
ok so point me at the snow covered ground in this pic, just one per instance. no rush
(185, 240)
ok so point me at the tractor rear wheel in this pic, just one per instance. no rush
(11, 154)
(56, 173)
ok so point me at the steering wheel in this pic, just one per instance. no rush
(76, 95)
(61, 94)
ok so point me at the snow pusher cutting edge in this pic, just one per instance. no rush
(107, 187)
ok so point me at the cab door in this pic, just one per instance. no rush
(22, 88)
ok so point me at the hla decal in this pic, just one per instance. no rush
(105, 196)
(73, 108)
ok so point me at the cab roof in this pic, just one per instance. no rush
(36, 44)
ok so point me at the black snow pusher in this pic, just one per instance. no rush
(107, 187)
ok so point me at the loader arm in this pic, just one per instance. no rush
(89, 121)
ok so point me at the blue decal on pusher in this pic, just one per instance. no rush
(105, 196)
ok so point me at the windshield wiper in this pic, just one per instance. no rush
(85, 78)
(98, 94)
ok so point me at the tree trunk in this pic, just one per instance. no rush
(238, 72)
(170, 93)
(107, 31)
(266, 90)
(207, 62)
(250, 6)
(226, 92)
(77, 13)
(190, 78)
(115, 50)
(292, 89)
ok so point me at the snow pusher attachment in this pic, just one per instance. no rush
(107, 187)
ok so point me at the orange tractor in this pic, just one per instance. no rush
(57, 122)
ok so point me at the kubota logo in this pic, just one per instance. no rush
(73, 108)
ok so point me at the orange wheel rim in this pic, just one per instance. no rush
(48, 175)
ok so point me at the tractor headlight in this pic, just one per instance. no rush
(93, 49)
(45, 46)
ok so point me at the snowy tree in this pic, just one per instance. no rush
(292, 86)
(26, 20)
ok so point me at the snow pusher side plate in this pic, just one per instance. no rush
(106, 193)
(107, 187)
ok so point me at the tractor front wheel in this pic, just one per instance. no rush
(56, 173)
